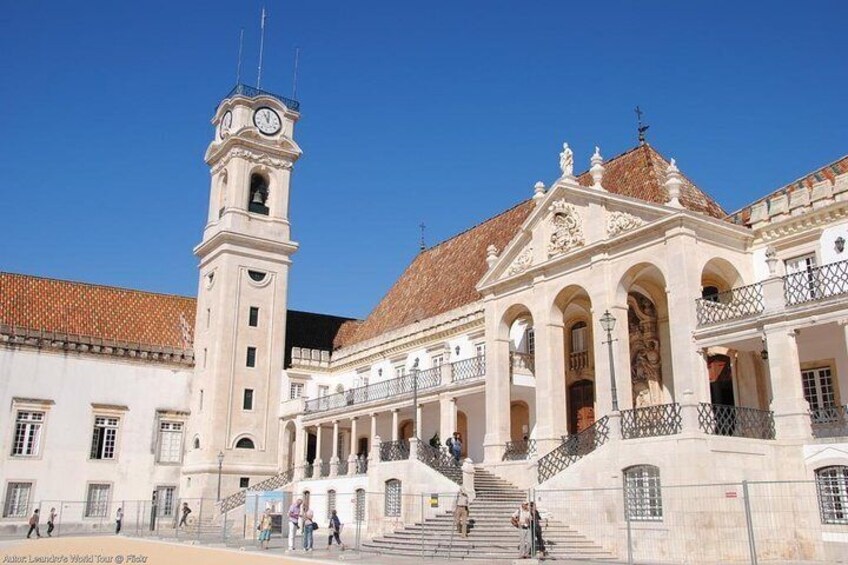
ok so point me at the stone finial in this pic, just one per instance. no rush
(538, 191)
(566, 161)
(491, 255)
(597, 169)
(673, 183)
(771, 260)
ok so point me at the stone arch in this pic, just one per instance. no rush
(259, 191)
(519, 420)
(289, 445)
(719, 275)
(405, 430)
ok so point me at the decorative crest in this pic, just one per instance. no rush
(567, 228)
(620, 222)
(522, 262)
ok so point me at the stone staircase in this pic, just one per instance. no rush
(490, 536)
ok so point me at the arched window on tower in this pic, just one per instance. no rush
(244, 443)
(258, 194)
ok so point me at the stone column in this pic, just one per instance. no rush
(418, 423)
(352, 457)
(551, 410)
(395, 424)
(316, 465)
(447, 419)
(334, 458)
(300, 450)
(373, 448)
(497, 392)
(791, 409)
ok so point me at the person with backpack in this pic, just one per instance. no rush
(335, 531)
(455, 447)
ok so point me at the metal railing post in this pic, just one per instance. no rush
(199, 519)
(749, 522)
(629, 531)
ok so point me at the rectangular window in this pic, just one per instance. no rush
(97, 501)
(832, 487)
(27, 434)
(170, 441)
(254, 317)
(481, 349)
(208, 316)
(244, 482)
(438, 360)
(400, 371)
(818, 390)
(165, 500)
(247, 403)
(802, 272)
(643, 493)
(105, 438)
(16, 504)
(251, 356)
(323, 390)
(204, 357)
(201, 400)
(295, 390)
(392, 501)
(531, 341)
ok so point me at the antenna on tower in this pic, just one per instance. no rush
(261, 47)
(238, 68)
(642, 129)
(294, 79)
(422, 245)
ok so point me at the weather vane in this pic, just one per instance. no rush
(422, 245)
(642, 128)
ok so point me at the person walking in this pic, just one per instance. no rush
(536, 522)
(456, 447)
(184, 518)
(521, 520)
(119, 517)
(460, 513)
(33, 524)
(294, 520)
(308, 528)
(265, 529)
(51, 522)
(335, 531)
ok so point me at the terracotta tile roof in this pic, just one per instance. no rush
(827, 173)
(444, 277)
(102, 312)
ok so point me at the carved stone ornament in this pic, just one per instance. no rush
(620, 222)
(253, 157)
(567, 228)
(522, 262)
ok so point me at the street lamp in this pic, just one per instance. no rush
(415, 398)
(220, 464)
(608, 324)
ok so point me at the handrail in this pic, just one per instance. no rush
(830, 421)
(468, 369)
(394, 450)
(437, 459)
(735, 303)
(816, 283)
(573, 448)
(651, 421)
(519, 450)
(736, 421)
(237, 499)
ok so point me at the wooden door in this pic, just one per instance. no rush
(581, 406)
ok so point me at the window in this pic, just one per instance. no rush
(832, 487)
(359, 509)
(204, 357)
(27, 433)
(165, 498)
(578, 337)
(438, 360)
(392, 502)
(17, 500)
(331, 501)
(400, 371)
(97, 501)
(170, 441)
(818, 391)
(201, 400)
(323, 390)
(643, 493)
(481, 349)
(251, 356)
(244, 443)
(531, 341)
(197, 443)
(244, 482)
(804, 269)
(247, 403)
(295, 390)
(257, 276)
(258, 195)
(253, 319)
(105, 438)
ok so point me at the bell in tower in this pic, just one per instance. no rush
(258, 194)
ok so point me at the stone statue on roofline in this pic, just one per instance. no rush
(566, 161)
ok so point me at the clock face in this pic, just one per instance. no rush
(226, 123)
(267, 121)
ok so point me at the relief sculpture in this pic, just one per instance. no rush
(645, 360)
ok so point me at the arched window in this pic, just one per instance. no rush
(392, 502)
(244, 443)
(643, 493)
(832, 488)
(258, 194)
(331, 502)
(359, 510)
(579, 337)
(196, 442)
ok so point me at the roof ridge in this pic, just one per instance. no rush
(97, 285)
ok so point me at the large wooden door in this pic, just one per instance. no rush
(581, 406)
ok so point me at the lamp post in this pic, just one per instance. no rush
(608, 324)
(220, 464)
(415, 398)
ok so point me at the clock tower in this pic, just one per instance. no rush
(240, 326)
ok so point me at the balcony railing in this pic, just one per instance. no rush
(736, 421)
(817, 283)
(522, 362)
(578, 360)
(519, 450)
(736, 303)
(308, 470)
(573, 448)
(361, 466)
(651, 421)
(468, 369)
(829, 422)
(439, 460)
(253, 92)
(342, 468)
(394, 450)
(324, 471)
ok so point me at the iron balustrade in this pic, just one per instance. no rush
(816, 283)
(829, 422)
(436, 458)
(519, 450)
(651, 421)
(308, 471)
(522, 362)
(342, 467)
(573, 448)
(394, 450)
(324, 471)
(237, 499)
(733, 304)
(377, 391)
(735, 421)
(361, 466)
(253, 92)
(468, 369)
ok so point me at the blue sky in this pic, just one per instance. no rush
(441, 112)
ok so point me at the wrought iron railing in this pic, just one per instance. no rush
(817, 283)
(735, 303)
(651, 421)
(736, 421)
(394, 450)
(519, 450)
(442, 462)
(342, 468)
(829, 422)
(578, 360)
(468, 369)
(361, 466)
(253, 92)
(324, 471)
(376, 391)
(237, 499)
(522, 362)
(573, 448)
(308, 470)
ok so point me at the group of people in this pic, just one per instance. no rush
(36, 518)
(302, 518)
(529, 522)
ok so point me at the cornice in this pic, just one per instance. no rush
(798, 224)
